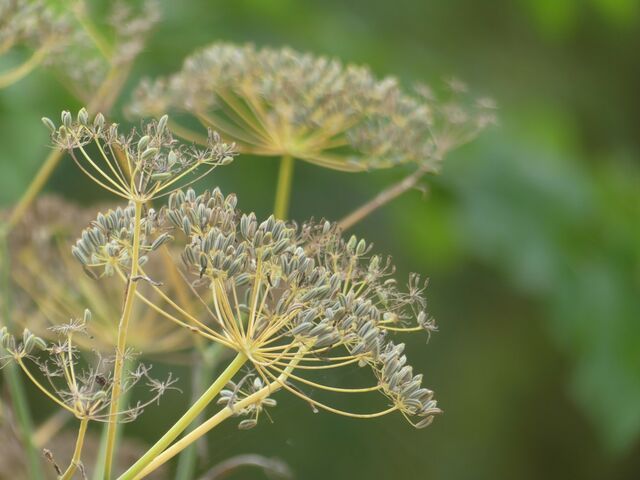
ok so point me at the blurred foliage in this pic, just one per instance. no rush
(531, 235)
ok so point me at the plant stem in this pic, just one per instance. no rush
(217, 419)
(14, 381)
(35, 187)
(382, 199)
(121, 346)
(98, 469)
(187, 462)
(186, 419)
(75, 461)
(283, 192)
(21, 71)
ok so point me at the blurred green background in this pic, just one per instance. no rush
(531, 235)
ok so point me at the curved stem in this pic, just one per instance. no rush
(384, 197)
(21, 71)
(75, 461)
(216, 420)
(186, 419)
(283, 192)
(121, 347)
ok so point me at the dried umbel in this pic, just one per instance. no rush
(63, 36)
(294, 301)
(280, 102)
(81, 388)
(139, 166)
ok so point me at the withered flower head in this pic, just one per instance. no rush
(64, 37)
(295, 301)
(81, 387)
(282, 102)
(139, 166)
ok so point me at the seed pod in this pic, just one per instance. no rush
(83, 116)
(162, 123)
(98, 122)
(161, 240)
(49, 124)
(65, 116)
(247, 424)
(143, 143)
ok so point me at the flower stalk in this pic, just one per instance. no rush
(121, 346)
(283, 189)
(217, 419)
(77, 453)
(186, 419)
(383, 198)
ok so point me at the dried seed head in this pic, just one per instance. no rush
(158, 163)
(60, 41)
(280, 101)
(298, 297)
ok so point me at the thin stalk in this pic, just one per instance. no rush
(283, 192)
(186, 419)
(77, 453)
(98, 469)
(21, 71)
(384, 197)
(121, 346)
(14, 380)
(188, 460)
(37, 184)
(216, 420)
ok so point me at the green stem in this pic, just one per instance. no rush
(101, 458)
(75, 461)
(186, 419)
(187, 461)
(121, 347)
(283, 192)
(218, 418)
(25, 69)
(35, 187)
(14, 380)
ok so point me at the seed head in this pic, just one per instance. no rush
(283, 102)
(298, 299)
(61, 41)
(140, 166)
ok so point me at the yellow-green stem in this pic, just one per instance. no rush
(216, 420)
(35, 187)
(186, 419)
(75, 461)
(25, 69)
(283, 192)
(121, 346)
